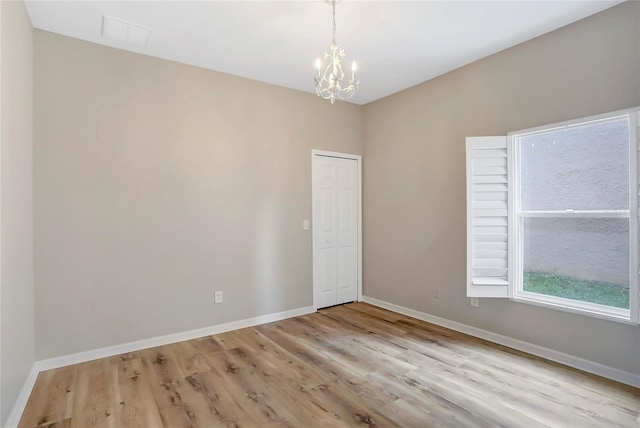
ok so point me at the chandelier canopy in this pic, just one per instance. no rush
(329, 85)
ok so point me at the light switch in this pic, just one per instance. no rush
(305, 225)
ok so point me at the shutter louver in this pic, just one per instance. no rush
(487, 217)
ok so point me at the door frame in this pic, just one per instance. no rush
(358, 160)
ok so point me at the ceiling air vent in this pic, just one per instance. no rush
(123, 31)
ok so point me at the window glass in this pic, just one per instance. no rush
(585, 167)
(584, 259)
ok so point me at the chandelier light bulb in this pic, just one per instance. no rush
(354, 66)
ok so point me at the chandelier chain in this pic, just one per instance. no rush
(333, 8)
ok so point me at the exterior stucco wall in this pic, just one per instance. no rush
(580, 168)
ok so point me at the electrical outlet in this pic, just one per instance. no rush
(218, 297)
(436, 293)
(474, 302)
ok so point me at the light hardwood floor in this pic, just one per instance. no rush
(352, 365)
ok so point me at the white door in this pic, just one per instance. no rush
(335, 230)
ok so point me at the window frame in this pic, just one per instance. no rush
(516, 223)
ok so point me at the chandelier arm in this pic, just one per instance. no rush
(326, 94)
(348, 95)
(340, 72)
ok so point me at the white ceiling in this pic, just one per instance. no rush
(397, 44)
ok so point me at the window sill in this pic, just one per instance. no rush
(574, 310)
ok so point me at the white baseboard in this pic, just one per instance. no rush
(110, 351)
(23, 397)
(540, 351)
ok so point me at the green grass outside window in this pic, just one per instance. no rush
(582, 290)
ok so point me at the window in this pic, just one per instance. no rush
(553, 218)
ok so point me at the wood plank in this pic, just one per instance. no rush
(369, 392)
(375, 311)
(227, 340)
(65, 423)
(450, 404)
(258, 403)
(206, 345)
(174, 397)
(297, 399)
(221, 406)
(200, 399)
(545, 403)
(331, 328)
(423, 338)
(333, 371)
(299, 374)
(439, 412)
(361, 320)
(346, 350)
(132, 394)
(313, 355)
(406, 414)
(94, 402)
(188, 359)
(348, 408)
(52, 401)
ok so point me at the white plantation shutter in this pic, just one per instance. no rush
(487, 217)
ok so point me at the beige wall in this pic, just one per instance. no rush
(16, 209)
(157, 183)
(414, 174)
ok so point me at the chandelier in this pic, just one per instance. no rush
(329, 84)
